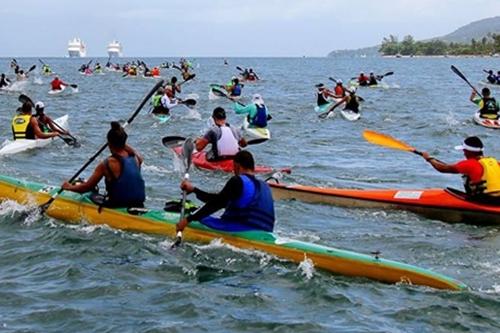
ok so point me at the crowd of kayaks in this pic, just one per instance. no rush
(443, 204)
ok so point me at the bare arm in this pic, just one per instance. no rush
(89, 184)
(438, 165)
(38, 133)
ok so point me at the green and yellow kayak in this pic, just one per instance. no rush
(74, 207)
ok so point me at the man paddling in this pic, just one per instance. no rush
(488, 106)
(491, 77)
(339, 90)
(247, 201)
(372, 80)
(57, 84)
(4, 81)
(46, 123)
(351, 101)
(256, 112)
(25, 126)
(121, 171)
(481, 173)
(225, 139)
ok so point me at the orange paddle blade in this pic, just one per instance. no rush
(386, 141)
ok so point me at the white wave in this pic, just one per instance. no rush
(38, 80)
(153, 169)
(306, 267)
(191, 114)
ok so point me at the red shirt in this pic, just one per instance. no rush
(339, 91)
(471, 168)
(56, 84)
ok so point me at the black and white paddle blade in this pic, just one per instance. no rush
(173, 141)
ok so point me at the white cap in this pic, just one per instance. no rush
(39, 105)
(352, 89)
(257, 99)
(339, 81)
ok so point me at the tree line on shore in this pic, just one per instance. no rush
(488, 45)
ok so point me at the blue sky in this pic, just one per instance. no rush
(226, 27)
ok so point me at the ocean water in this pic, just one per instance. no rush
(56, 277)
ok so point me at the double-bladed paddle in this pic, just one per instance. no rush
(187, 153)
(46, 205)
(456, 71)
(388, 141)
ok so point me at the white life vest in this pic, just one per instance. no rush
(227, 145)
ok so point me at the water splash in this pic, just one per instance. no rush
(306, 268)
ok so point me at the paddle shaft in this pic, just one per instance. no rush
(45, 206)
(462, 76)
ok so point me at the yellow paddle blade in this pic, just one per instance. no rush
(386, 141)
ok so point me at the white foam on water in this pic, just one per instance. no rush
(191, 114)
(17, 86)
(153, 169)
(38, 81)
(11, 208)
(306, 267)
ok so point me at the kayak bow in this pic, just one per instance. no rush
(442, 204)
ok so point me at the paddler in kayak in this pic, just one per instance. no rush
(256, 112)
(4, 81)
(363, 80)
(167, 102)
(121, 172)
(372, 81)
(155, 72)
(57, 84)
(339, 90)
(351, 101)
(25, 126)
(98, 68)
(46, 70)
(491, 78)
(176, 88)
(247, 201)
(46, 123)
(488, 106)
(481, 173)
(234, 88)
(323, 95)
(225, 139)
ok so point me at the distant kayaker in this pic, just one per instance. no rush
(97, 68)
(225, 139)
(176, 88)
(372, 80)
(25, 126)
(46, 123)
(481, 173)
(57, 84)
(252, 76)
(339, 90)
(351, 101)
(156, 101)
(4, 81)
(167, 102)
(256, 112)
(21, 76)
(323, 95)
(488, 106)
(492, 78)
(247, 201)
(46, 69)
(234, 88)
(363, 80)
(155, 71)
(121, 171)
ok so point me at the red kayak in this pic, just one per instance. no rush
(447, 205)
(200, 161)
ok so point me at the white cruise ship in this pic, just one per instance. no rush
(115, 49)
(76, 48)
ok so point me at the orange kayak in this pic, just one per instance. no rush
(447, 205)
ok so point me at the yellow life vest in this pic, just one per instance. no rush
(21, 127)
(491, 175)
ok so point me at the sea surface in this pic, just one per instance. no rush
(56, 277)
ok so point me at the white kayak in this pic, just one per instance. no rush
(350, 115)
(251, 133)
(490, 123)
(57, 92)
(16, 146)
(490, 85)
